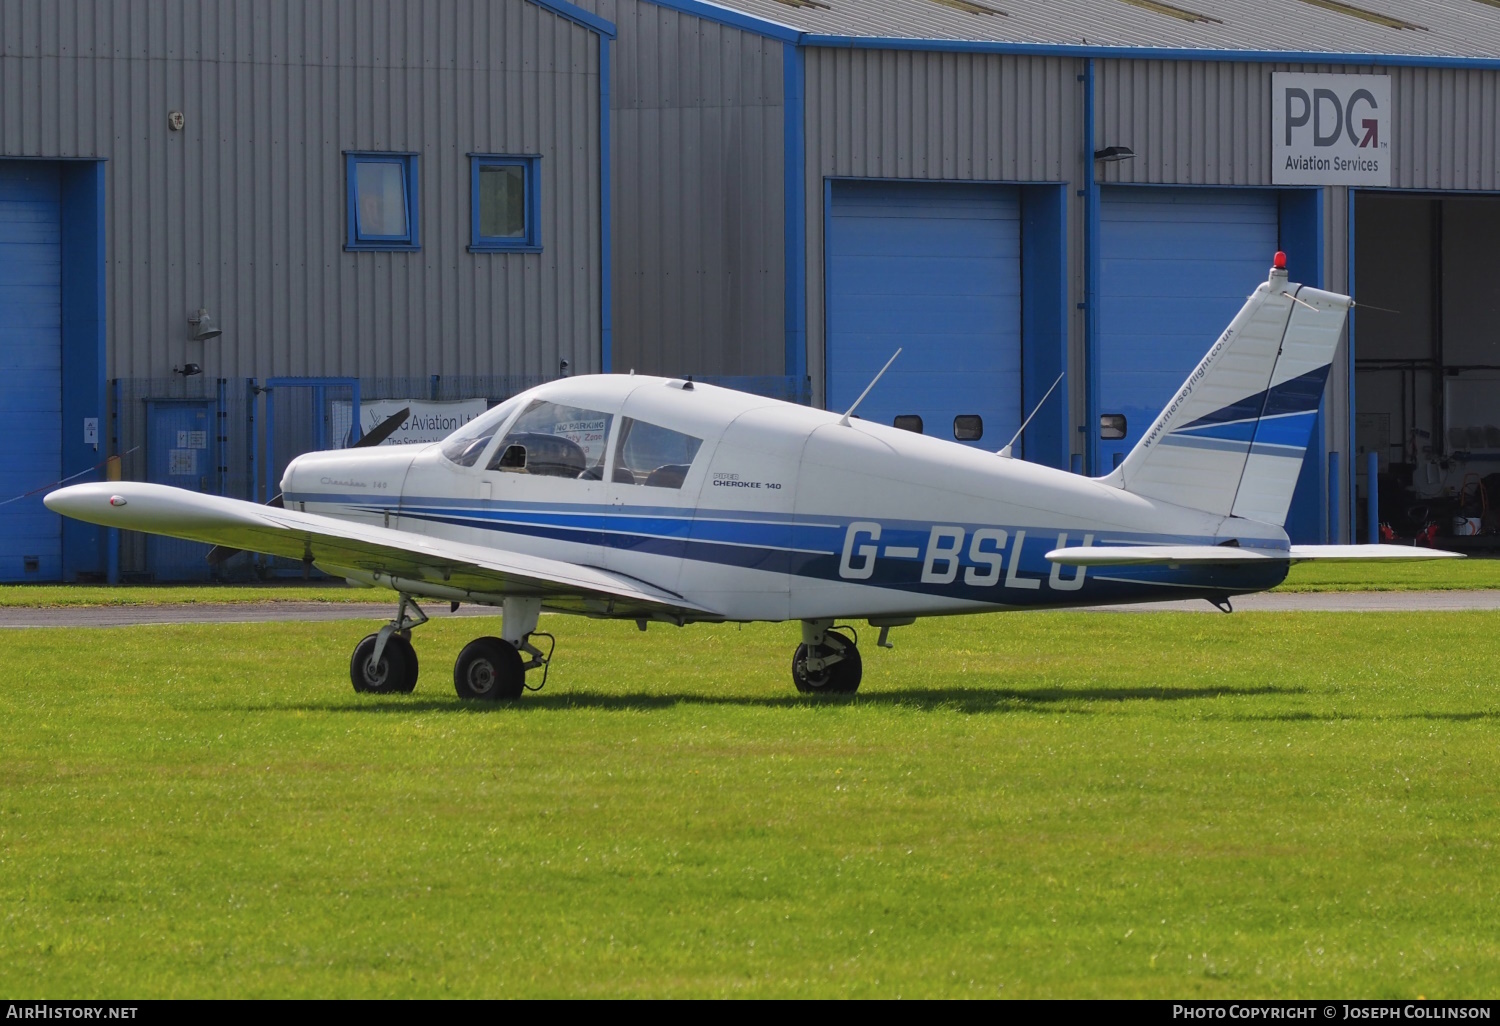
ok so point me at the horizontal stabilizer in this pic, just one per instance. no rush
(1159, 555)
(1203, 555)
(1357, 553)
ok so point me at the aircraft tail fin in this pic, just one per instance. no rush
(1233, 439)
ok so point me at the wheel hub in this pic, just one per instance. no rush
(482, 677)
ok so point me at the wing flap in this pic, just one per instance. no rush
(364, 550)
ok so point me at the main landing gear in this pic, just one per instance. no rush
(827, 662)
(488, 668)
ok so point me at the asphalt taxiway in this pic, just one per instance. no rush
(263, 612)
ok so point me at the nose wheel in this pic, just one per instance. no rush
(384, 663)
(827, 662)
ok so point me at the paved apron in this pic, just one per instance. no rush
(261, 612)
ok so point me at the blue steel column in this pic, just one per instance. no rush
(606, 257)
(1372, 500)
(270, 441)
(112, 535)
(794, 154)
(1334, 531)
(1090, 280)
(1349, 339)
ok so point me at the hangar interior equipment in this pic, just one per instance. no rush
(1427, 358)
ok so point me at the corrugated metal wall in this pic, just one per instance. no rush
(1204, 122)
(940, 117)
(243, 211)
(1209, 123)
(697, 141)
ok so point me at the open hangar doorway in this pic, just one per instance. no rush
(1427, 364)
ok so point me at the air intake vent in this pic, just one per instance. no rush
(804, 3)
(1338, 7)
(1180, 13)
(970, 7)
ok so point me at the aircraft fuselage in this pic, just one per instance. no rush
(785, 513)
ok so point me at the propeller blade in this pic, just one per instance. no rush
(386, 428)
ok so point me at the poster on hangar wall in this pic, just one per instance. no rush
(1330, 129)
(429, 421)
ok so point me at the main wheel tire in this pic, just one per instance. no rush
(410, 655)
(396, 672)
(842, 678)
(489, 669)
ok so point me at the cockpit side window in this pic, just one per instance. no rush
(651, 455)
(553, 440)
(468, 443)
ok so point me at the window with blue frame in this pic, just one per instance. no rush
(383, 192)
(505, 204)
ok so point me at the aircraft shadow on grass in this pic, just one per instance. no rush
(968, 700)
(1301, 717)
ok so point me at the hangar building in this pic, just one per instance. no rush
(1009, 189)
(409, 196)
(775, 192)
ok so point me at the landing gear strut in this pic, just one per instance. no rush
(495, 669)
(827, 661)
(384, 663)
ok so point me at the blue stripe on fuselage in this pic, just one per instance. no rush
(813, 548)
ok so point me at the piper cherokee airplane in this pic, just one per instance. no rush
(655, 499)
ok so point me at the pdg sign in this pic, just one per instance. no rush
(1330, 129)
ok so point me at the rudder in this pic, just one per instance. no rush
(1233, 439)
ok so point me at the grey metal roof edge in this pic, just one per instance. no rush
(786, 33)
(1178, 53)
(576, 14)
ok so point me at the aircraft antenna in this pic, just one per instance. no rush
(844, 420)
(1006, 451)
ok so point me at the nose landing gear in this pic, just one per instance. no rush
(827, 661)
(384, 663)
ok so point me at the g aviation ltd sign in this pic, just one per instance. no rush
(1330, 129)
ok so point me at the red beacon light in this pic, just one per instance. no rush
(1279, 261)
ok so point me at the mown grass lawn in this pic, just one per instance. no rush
(1023, 805)
(1432, 575)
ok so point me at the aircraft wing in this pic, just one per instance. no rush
(1160, 555)
(405, 560)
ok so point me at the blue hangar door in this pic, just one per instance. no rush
(933, 268)
(30, 368)
(1175, 266)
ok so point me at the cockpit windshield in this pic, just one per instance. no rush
(555, 440)
(468, 443)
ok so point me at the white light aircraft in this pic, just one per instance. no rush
(662, 500)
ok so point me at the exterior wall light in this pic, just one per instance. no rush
(203, 327)
(1112, 154)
